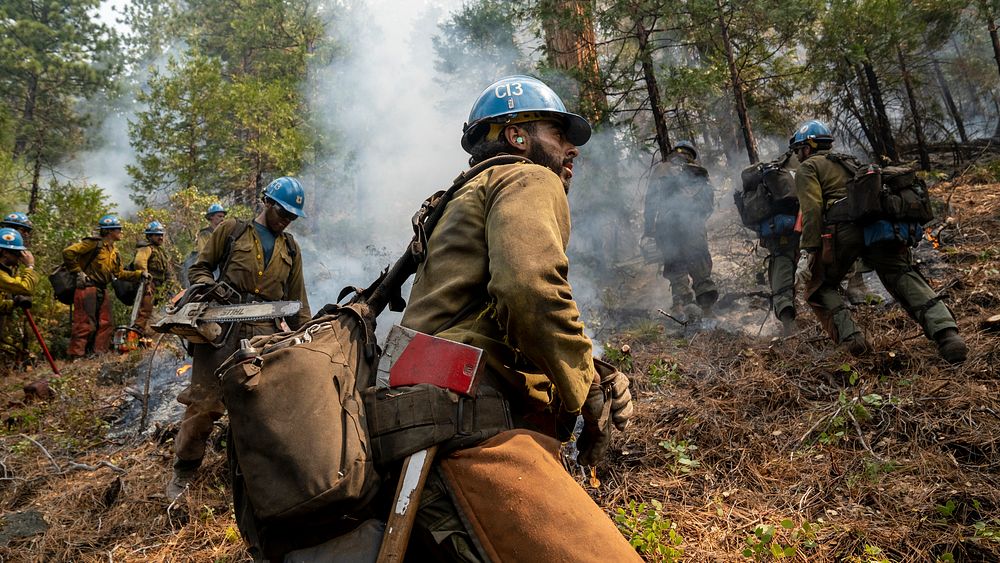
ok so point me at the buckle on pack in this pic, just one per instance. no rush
(460, 428)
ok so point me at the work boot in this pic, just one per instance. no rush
(180, 482)
(857, 345)
(951, 346)
(787, 318)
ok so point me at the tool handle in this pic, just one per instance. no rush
(137, 303)
(38, 335)
(416, 467)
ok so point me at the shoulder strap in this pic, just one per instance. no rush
(849, 163)
(291, 245)
(227, 253)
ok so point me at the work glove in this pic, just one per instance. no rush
(803, 271)
(82, 280)
(22, 301)
(608, 402)
(146, 276)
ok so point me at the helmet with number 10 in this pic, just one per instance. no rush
(519, 99)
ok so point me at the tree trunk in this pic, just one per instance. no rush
(572, 47)
(883, 126)
(36, 174)
(995, 40)
(869, 124)
(653, 91)
(918, 130)
(739, 98)
(950, 102)
(27, 116)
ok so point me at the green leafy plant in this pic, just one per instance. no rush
(616, 357)
(988, 530)
(947, 510)
(780, 542)
(649, 532)
(662, 371)
(681, 453)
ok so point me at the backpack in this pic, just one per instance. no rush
(64, 282)
(301, 434)
(767, 189)
(891, 193)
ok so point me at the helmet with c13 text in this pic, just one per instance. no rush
(519, 99)
(288, 193)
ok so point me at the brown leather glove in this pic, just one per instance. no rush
(608, 401)
(82, 281)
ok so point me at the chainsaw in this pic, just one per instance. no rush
(198, 315)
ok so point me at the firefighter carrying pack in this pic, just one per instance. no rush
(767, 189)
(875, 193)
(303, 444)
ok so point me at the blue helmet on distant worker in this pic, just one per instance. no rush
(813, 133)
(155, 228)
(11, 239)
(17, 220)
(109, 222)
(215, 208)
(288, 193)
(519, 99)
(688, 147)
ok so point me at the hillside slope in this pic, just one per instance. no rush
(891, 458)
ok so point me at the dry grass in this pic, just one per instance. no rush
(896, 453)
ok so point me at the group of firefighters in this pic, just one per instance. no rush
(495, 276)
(94, 263)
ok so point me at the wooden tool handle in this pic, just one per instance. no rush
(416, 467)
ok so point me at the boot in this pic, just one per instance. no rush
(951, 346)
(787, 318)
(180, 482)
(857, 345)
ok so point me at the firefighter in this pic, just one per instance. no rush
(95, 261)
(495, 276)
(215, 215)
(679, 200)
(16, 283)
(263, 263)
(150, 257)
(832, 248)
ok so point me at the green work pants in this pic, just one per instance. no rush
(892, 263)
(781, 262)
(687, 265)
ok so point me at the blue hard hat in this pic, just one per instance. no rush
(215, 208)
(812, 133)
(155, 228)
(516, 99)
(11, 240)
(17, 219)
(288, 193)
(109, 222)
(689, 146)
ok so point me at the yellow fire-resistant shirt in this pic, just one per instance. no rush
(15, 281)
(103, 267)
(151, 258)
(245, 272)
(499, 254)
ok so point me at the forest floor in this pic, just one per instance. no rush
(786, 447)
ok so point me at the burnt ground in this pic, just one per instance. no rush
(741, 441)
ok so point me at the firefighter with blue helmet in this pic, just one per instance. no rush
(20, 223)
(18, 281)
(96, 262)
(495, 276)
(679, 200)
(833, 243)
(150, 257)
(263, 262)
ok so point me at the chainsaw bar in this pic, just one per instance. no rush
(249, 311)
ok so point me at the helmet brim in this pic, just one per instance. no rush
(289, 208)
(578, 130)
